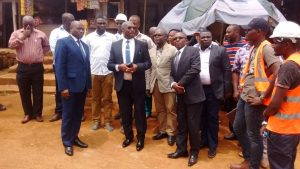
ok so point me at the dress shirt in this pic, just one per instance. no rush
(99, 46)
(145, 38)
(204, 74)
(119, 36)
(32, 49)
(57, 33)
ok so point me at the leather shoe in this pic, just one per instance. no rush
(69, 150)
(230, 136)
(171, 140)
(140, 145)
(211, 153)
(178, 154)
(243, 165)
(126, 142)
(160, 135)
(79, 143)
(26, 119)
(55, 117)
(39, 118)
(192, 160)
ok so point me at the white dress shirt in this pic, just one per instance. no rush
(99, 46)
(145, 38)
(204, 74)
(119, 36)
(56, 34)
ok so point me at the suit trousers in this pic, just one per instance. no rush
(73, 109)
(282, 150)
(102, 86)
(210, 118)
(30, 79)
(166, 110)
(189, 118)
(128, 98)
(58, 102)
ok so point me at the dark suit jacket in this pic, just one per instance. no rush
(219, 70)
(72, 71)
(141, 58)
(188, 75)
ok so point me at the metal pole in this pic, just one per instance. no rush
(13, 7)
(144, 18)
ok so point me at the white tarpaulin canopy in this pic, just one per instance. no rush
(190, 15)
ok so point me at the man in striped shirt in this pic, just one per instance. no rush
(233, 42)
(31, 45)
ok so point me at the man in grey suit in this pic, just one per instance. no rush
(158, 83)
(185, 80)
(216, 79)
(129, 59)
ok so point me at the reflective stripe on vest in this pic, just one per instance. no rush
(287, 119)
(261, 81)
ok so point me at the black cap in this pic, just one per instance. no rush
(258, 23)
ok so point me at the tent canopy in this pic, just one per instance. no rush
(190, 15)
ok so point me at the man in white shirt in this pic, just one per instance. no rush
(59, 33)
(120, 18)
(99, 43)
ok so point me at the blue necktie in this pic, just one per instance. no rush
(81, 49)
(127, 52)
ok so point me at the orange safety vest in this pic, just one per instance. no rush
(261, 79)
(287, 119)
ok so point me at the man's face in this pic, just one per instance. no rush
(205, 39)
(119, 24)
(159, 38)
(68, 21)
(28, 24)
(171, 37)
(251, 34)
(230, 34)
(129, 30)
(101, 25)
(180, 40)
(136, 23)
(77, 30)
(279, 46)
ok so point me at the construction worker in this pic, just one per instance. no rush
(283, 111)
(256, 83)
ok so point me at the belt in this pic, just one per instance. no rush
(30, 64)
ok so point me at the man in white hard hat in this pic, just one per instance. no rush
(120, 18)
(283, 126)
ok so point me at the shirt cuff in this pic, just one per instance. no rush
(172, 84)
(117, 67)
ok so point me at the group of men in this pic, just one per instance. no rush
(188, 84)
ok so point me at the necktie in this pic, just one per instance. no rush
(127, 53)
(81, 49)
(176, 62)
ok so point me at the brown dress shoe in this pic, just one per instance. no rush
(244, 165)
(55, 117)
(26, 119)
(39, 118)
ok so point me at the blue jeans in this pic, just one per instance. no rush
(247, 124)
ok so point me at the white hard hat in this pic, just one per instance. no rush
(121, 17)
(287, 29)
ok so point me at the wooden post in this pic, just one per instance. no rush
(144, 17)
(13, 6)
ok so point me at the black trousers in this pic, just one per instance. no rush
(189, 118)
(128, 98)
(58, 102)
(30, 80)
(282, 150)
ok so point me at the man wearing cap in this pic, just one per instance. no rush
(120, 18)
(257, 83)
(283, 111)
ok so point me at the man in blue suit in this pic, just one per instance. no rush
(129, 58)
(74, 81)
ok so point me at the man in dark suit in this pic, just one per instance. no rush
(185, 80)
(74, 80)
(129, 58)
(216, 79)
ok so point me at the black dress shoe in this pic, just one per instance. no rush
(178, 154)
(160, 135)
(55, 117)
(79, 143)
(139, 145)
(26, 119)
(192, 160)
(69, 150)
(211, 153)
(171, 140)
(126, 142)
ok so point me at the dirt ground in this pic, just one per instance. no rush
(38, 145)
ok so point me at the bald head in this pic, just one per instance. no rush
(28, 22)
(128, 29)
(136, 20)
(67, 18)
(233, 33)
(77, 29)
(152, 31)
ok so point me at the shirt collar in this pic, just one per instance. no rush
(209, 47)
(74, 38)
(181, 50)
